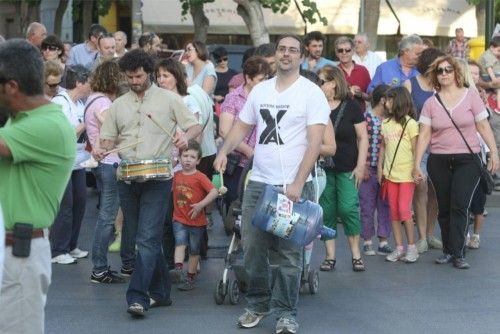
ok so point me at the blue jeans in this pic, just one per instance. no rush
(105, 175)
(144, 207)
(65, 231)
(188, 236)
(284, 296)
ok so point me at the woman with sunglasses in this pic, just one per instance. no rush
(224, 73)
(346, 172)
(424, 200)
(53, 73)
(452, 168)
(53, 49)
(200, 71)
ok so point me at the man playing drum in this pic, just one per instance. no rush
(142, 121)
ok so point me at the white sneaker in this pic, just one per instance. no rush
(63, 259)
(411, 255)
(422, 246)
(395, 255)
(473, 242)
(77, 253)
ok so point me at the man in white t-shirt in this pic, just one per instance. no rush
(283, 155)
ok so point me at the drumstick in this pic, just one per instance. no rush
(222, 189)
(123, 147)
(160, 126)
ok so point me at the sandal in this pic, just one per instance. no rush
(358, 265)
(328, 265)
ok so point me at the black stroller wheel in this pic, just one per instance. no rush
(234, 292)
(220, 292)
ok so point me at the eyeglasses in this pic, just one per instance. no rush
(220, 60)
(343, 50)
(447, 69)
(321, 82)
(49, 47)
(292, 50)
(190, 49)
(53, 85)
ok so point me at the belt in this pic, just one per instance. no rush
(37, 233)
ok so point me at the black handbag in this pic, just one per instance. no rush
(487, 183)
(233, 160)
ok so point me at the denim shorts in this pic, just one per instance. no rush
(186, 235)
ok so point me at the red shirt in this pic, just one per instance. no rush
(188, 190)
(359, 76)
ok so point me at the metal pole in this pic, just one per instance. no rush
(361, 24)
(489, 22)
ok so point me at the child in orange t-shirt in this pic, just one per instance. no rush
(192, 192)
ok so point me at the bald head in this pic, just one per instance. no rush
(36, 33)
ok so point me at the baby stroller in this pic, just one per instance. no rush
(233, 261)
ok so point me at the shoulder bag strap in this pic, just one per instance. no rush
(456, 127)
(89, 104)
(339, 115)
(397, 146)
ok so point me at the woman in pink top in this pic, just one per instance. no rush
(451, 166)
(255, 70)
(105, 82)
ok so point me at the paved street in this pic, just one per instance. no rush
(387, 298)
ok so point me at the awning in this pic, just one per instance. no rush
(439, 17)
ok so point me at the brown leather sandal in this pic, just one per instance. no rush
(328, 265)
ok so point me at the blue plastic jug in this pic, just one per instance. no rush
(304, 226)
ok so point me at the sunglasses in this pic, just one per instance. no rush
(343, 50)
(321, 82)
(49, 47)
(222, 59)
(53, 85)
(447, 69)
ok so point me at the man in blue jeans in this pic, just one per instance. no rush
(143, 120)
(289, 113)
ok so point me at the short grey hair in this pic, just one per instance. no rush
(343, 40)
(32, 28)
(362, 35)
(408, 42)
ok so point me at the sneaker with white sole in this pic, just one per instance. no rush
(395, 256)
(108, 277)
(384, 250)
(411, 255)
(136, 310)
(287, 325)
(77, 253)
(422, 246)
(474, 241)
(368, 250)
(434, 242)
(250, 319)
(63, 259)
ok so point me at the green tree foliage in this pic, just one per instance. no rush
(310, 14)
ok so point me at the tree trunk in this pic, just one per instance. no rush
(87, 8)
(61, 8)
(251, 12)
(481, 17)
(201, 22)
(370, 20)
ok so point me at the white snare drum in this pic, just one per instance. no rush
(144, 170)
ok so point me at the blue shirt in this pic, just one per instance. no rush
(81, 54)
(319, 64)
(390, 73)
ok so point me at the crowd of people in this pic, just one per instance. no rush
(380, 146)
